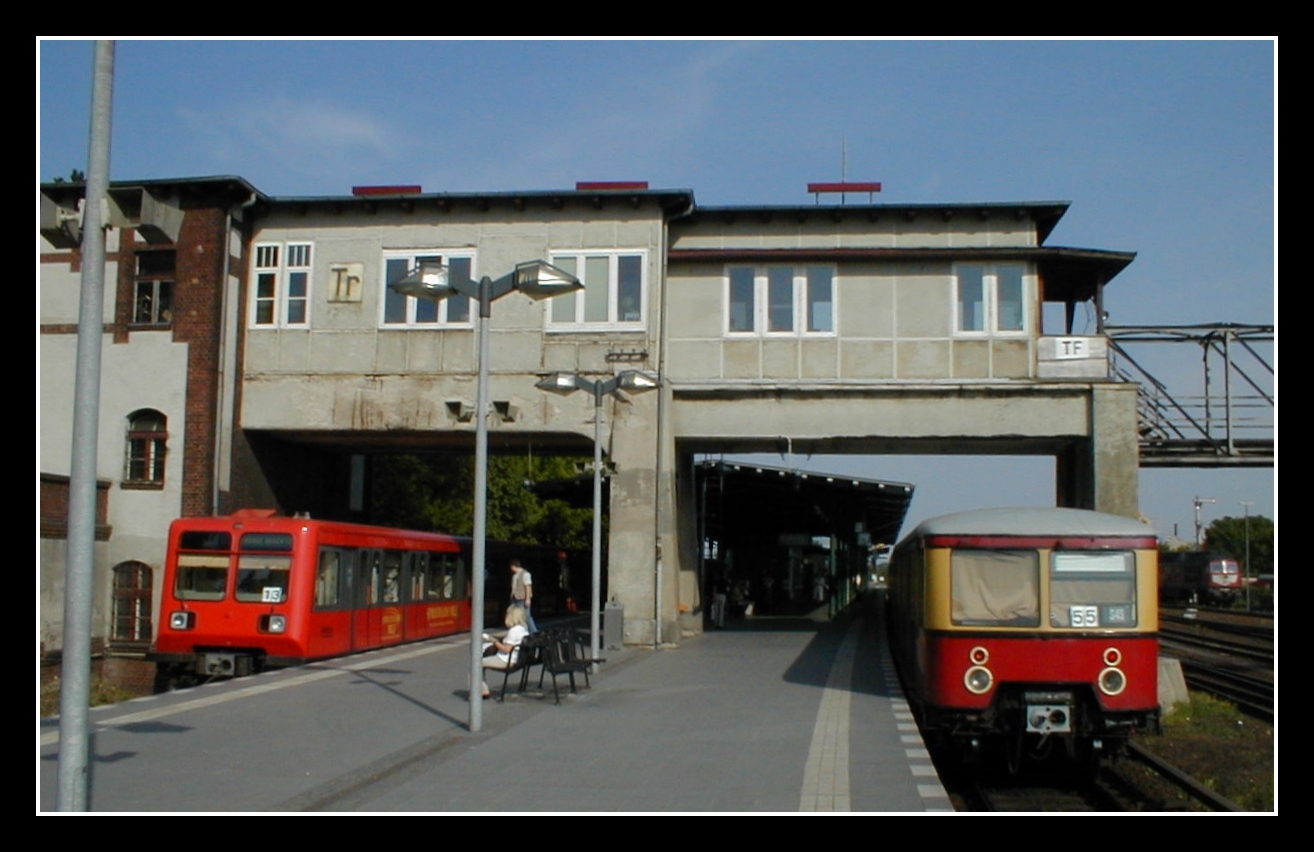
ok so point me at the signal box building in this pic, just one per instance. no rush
(850, 328)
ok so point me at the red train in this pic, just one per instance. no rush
(1016, 629)
(1192, 577)
(254, 590)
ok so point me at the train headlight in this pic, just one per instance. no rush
(182, 620)
(273, 623)
(1112, 681)
(978, 680)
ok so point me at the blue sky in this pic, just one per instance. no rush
(1164, 148)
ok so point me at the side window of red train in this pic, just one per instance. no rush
(457, 576)
(329, 578)
(419, 577)
(202, 573)
(439, 572)
(995, 588)
(392, 576)
(369, 572)
(1092, 589)
(264, 566)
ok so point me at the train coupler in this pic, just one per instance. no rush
(1049, 712)
(223, 664)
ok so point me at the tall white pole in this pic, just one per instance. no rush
(479, 545)
(595, 604)
(75, 674)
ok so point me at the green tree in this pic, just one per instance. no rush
(1228, 535)
(436, 492)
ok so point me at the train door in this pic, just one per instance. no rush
(364, 618)
(330, 630)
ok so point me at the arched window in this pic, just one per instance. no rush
(132, 604)
(144, 459)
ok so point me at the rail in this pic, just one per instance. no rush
(1229, 422)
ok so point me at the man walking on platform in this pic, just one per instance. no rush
(522, 592)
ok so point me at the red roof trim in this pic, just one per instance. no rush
(844, 187)
(387, 190)
(598, 185)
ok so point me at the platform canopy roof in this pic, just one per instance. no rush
(756, 499)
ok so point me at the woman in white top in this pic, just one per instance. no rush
(508, 647)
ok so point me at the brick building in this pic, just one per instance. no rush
(175, 259)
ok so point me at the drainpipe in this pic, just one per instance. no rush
(222, 390)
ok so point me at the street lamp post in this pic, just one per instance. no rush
(1199, 527)
(1245, 578)
(565, 383)
(538, 280)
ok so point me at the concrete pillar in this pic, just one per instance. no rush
(1115, 450)
(636, 489)
(692, 583)
(1102, 472)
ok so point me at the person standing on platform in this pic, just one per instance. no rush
(522, 592)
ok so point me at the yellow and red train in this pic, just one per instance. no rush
(1021, 628)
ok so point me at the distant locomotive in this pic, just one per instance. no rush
(1016, 629)
(254, 591)
(1190, 577)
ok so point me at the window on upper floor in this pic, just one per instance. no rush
(152, 288)
(780, 300)
(143, 464)
(405, 312)
(282, 284)
(990, 299)
(614, 296)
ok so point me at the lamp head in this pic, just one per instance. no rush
(431, 281)
(539, 279)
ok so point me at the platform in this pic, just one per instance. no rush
(776, 715)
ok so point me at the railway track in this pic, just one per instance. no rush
(1195, 641)
(1227, 657)
(1074, 789)
(1254, 695)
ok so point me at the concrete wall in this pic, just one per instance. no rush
(347, 374)
(890, 374)
(894, 322)
(804, 228)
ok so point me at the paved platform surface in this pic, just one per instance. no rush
(779, 715)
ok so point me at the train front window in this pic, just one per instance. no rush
(995, 588)
(263, 577)
(201, 577)
(1222, 566)
(1092, 589)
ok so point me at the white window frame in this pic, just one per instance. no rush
(277, 269)
(990, 310)
(800, 280)
(568, 312)
(422, 313)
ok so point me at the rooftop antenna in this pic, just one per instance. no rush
(844, 187)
